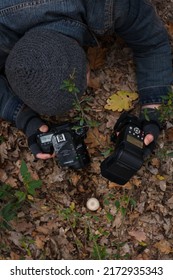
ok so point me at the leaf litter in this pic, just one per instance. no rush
(134, 221)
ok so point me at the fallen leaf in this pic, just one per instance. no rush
(11, 181)
(138, 235)
(170, 28)
(95, 138)
(169, 134)
(163, 246)
(14, 256)
(94, 83)
(112, 185)
(155, 162)
(112, 119)
(96, 57)
(118, 220)
(75, 178)
(3, 175)
(40, 241)
(122, 100)
(3, 152)
(160, 178)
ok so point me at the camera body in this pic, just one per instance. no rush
(128, 155)
(67, 141)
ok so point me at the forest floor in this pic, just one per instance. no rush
(134, 221)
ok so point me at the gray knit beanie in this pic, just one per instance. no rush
(38, 65)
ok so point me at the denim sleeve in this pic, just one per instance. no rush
(10, 105)
(139, 25)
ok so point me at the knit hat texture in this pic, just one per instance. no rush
(38, 65)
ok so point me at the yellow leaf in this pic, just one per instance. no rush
(30, 197)
(122, 100)
(72, 206)
(160, 178)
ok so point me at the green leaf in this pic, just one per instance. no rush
(21, 196)
(5, 191)
(9, 211)
(132, 202)
(117, 204)
(170, 154)
(106, 202)
(110, 217)
(123, 211)
(33, 185)
(24, 172)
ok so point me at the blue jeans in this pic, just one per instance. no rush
(134, 20)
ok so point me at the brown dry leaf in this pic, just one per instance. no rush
(163, 246)
(23, 226)
(16, 238)
(11, 181)
(14, 256)
(40, 241)
(75, 178)
(169, 27)
(94, 83)
(155, 162)
(112, 119)
(95, 138)
(43, 229)
(3, 176)
(112, 185)
(56, 176)
(169, 134)
(136, 181)
(118, 220)
(3, 152)
(138, 235)
(96, 57)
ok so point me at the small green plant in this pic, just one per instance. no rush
(12, 200)
(166, 108)
(70, 86)
(123, 204)
(72, 217)
(9, 205)
(1, 139)
(26, 243)
(30, 184)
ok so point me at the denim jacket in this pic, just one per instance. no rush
(86, 20)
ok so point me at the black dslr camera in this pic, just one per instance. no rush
(67, 141)
(128, 155)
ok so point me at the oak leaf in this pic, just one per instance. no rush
(96, 57)
(122, 100)
(138, 235)
(164, 247)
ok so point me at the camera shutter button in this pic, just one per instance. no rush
(136, 130)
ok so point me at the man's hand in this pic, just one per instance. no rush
(44, 128)
(30, 122)
(148, 139)
(151, 126)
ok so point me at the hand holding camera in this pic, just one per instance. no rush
(130, 150)
(127, 157)
(67, 142)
